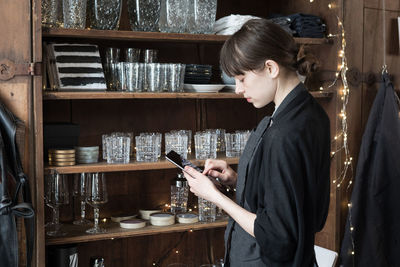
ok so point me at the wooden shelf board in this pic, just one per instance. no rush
(133, 166)
(153, 36)
(60, 95)
(77, 234)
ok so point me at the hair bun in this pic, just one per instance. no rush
(306, 62)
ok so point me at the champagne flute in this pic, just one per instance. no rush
(56, 194)
(80, 193)
(95, 197)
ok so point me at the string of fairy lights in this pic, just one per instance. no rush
(341, 138)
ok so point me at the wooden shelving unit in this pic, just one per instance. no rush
(153, 36)
(65, 95)
(77, 234)
(133, 166)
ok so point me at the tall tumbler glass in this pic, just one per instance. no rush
(104, 14)
(134, 77)
(207, 210)
(74, 14)
(144, 15)
(174, 15)
(153, 77)
(202, 16)
(56, 194)
(96, 195)
(52, 13)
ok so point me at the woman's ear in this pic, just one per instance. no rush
(272, 68)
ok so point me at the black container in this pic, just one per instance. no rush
(63, 256)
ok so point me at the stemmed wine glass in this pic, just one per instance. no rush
(80, 193)
(96, 195)
(56, 194)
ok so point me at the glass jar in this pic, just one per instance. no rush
(144, 15)
(202, 16)
(104, 14)
(179, 194)
(174, 15)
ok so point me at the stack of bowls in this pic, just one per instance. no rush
(88, 154)
(61, 157)
(198, 74)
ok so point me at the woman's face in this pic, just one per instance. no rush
(258, 87)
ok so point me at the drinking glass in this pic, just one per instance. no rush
(153, 77)
(80, 193)
(56, 194)
(233, 144)
(118, 148)
(205, 145)
(104, 14)
(150, 56)
(148, 147)
(52, 13)
(96, 195)
(207, 210)
(132, 54)
(174, 15)
(74, 13)
(202, 16)
(176, 76)
(144, 14)
(177, 141)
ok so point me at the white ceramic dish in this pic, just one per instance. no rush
(145, 214)
(203, 88)
(187, 218)
(123, 217)
(132, 224)
(162, 218)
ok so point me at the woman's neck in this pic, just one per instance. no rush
(284, 87)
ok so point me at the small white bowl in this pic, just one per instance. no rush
(162, 218)
(145, 214)
(132, 224)
(187, 218)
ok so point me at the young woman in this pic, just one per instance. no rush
(282, 183)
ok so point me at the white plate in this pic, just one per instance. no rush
(203, 88)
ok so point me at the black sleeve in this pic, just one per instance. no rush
(276, 225)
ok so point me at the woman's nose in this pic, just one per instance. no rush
(238, 88)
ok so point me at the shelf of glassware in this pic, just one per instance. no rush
(120, 167)
(77, 234)
(65, 95)
(153, 36)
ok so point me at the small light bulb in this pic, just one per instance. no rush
(330, 6)
(338, 185)
(349, 205)
(321, 88)
(352, 253)
(351, 228)
(334, 181)
(177, 252)
(311, 1)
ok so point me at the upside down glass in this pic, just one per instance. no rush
(74, 12)
(104, 14)
(96, 195)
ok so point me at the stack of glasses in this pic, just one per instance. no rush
(179, 141)
(235, 143)
(148, 147)
(116, 147)
(85, 155)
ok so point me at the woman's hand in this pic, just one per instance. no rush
(221, 170)
(201, 185)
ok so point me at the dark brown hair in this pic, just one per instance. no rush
(259, 40)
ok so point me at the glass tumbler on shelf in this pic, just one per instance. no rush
(104, 14)
(179, 194)
(96, 195)
(202, 16)
(74, 12)
(80, 193)
(56, 194)
(207, 210)
(174, 15)
(52, 13)
(205, 144)
(144, 15)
